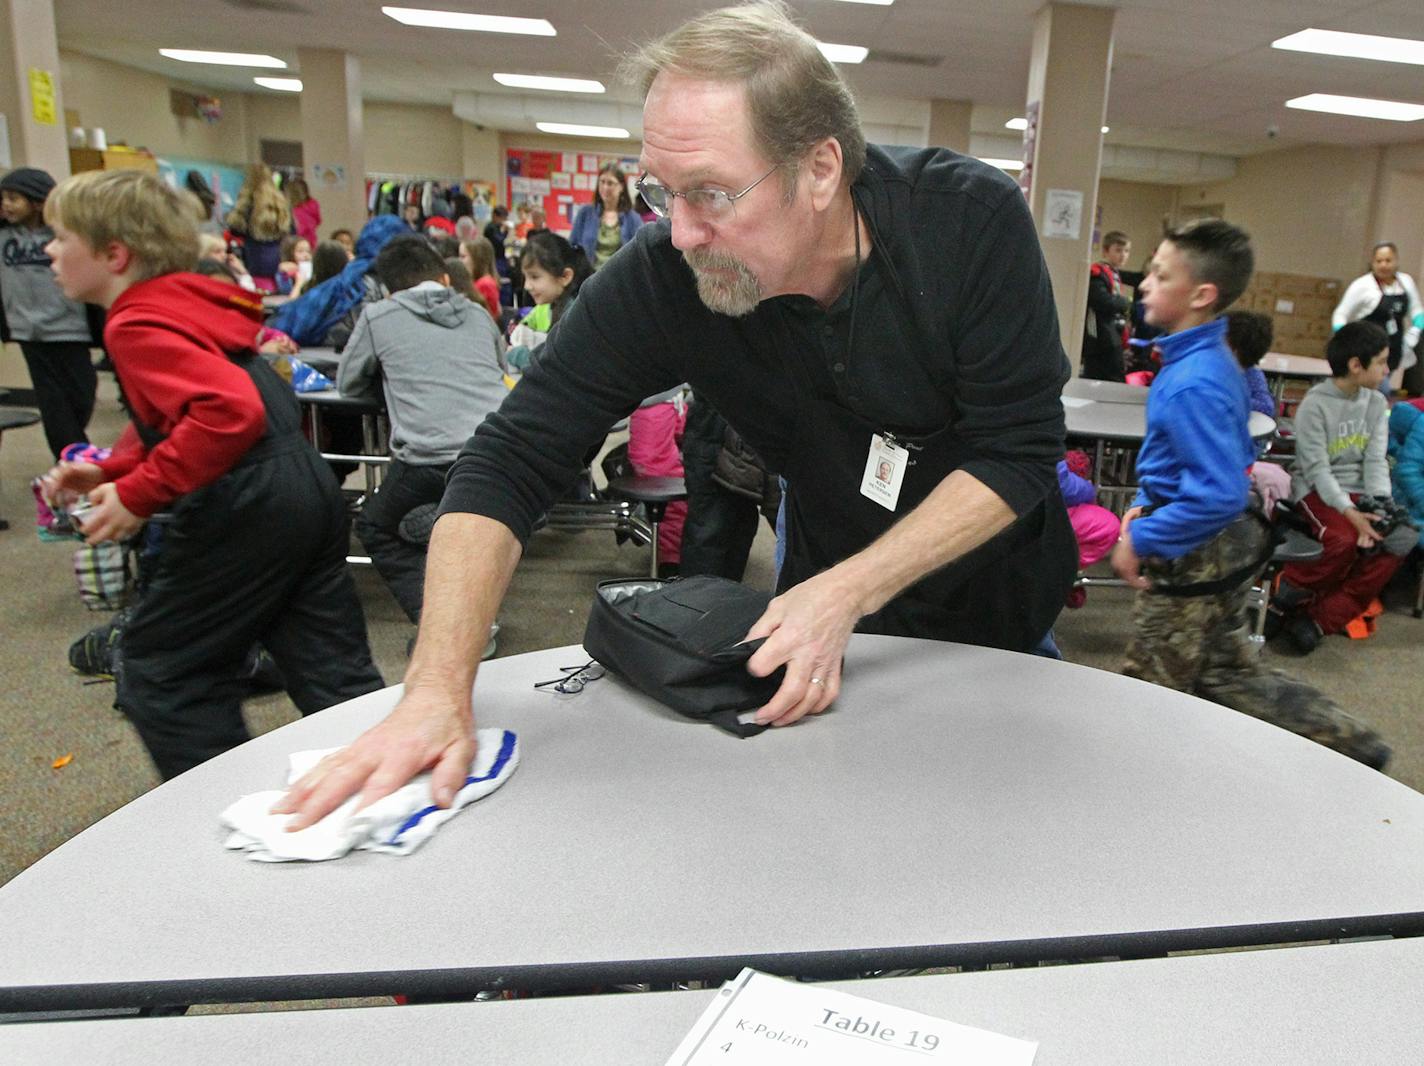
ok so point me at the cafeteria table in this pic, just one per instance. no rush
(1318, 1005)
(959, 805)
(1105, 391)
(1280, 368)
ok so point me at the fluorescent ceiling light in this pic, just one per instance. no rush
(1022, 124)
(843, 53)
(574, 130)
(882, 3)
(1354, 46)
(1003, 164)
(561, 85)
(286, 85)
(223, 59)
(462, 20)
(1359, 107)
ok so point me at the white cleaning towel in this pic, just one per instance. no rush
(400, 823)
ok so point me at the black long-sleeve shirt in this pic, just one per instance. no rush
(954, 322)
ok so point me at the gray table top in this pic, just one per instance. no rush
(1303, 366)
(1295, 1006)
(1113, 420)
(959, 804)
(1105, 391)
(324, 359)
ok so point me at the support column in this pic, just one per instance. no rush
(1063, 146)
(333, 136)
(29, 87)
(949, 125)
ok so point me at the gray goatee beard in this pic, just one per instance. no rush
(736, 292)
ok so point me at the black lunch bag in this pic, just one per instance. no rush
(680, 643)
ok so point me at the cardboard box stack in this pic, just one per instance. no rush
(1299, 306)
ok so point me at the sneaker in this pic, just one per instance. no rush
(1303, 634)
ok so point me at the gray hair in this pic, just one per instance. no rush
(795, 96)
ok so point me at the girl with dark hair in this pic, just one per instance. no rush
(478, 256)
(328, 260)
(553, 272)
(607, 224)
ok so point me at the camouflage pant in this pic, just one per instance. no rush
(1201, 645)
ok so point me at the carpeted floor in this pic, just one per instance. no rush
(48, 713)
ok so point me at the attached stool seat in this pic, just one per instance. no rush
(18, 418)
(1296, 548)
(654, 494)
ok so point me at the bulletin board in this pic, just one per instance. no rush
(560, 182)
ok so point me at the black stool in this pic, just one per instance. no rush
(654, 493)
(1296, 548)
(18, 418)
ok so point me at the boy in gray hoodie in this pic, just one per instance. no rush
(52, 330)
(438, 358)
(1341, 438)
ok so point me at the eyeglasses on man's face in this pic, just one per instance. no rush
(711, 204)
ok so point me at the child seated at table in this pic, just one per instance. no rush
(215, 445)
(1095, 527)
(1406, 458)
(437, 356)
(1249, 335)
(1189, 544)
(1341, 441)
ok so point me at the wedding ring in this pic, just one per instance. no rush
(815, 681)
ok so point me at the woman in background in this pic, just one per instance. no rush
(1389, 299)
(607, 224)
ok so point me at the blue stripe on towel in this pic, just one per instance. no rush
(506, 752)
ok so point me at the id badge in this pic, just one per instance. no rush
(884, 472)
(1391, 327)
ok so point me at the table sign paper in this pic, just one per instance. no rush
(760, 1020)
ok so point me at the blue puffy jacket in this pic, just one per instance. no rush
(309, 317)
(1406, 458)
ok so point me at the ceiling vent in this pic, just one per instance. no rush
(904, 59)
(284, 7)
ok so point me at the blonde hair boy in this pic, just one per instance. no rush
(140, 211)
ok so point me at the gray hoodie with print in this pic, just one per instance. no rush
(35, 308)
(1340, 445)
(440, 363)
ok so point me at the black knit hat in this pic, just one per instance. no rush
(28, 181)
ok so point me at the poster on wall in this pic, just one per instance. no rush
(559, 182)
(327, 177)
(1063, 214)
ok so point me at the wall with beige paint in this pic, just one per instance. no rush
(1137, 209)
(132, 106)
(1308, 210)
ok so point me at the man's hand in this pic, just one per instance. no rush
(1366, 536)
(1125, 561)
(425, 730)
(807, 629)
(107, 517)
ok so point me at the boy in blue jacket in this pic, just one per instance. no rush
(1189, 544)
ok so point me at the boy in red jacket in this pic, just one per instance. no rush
(255, 538)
